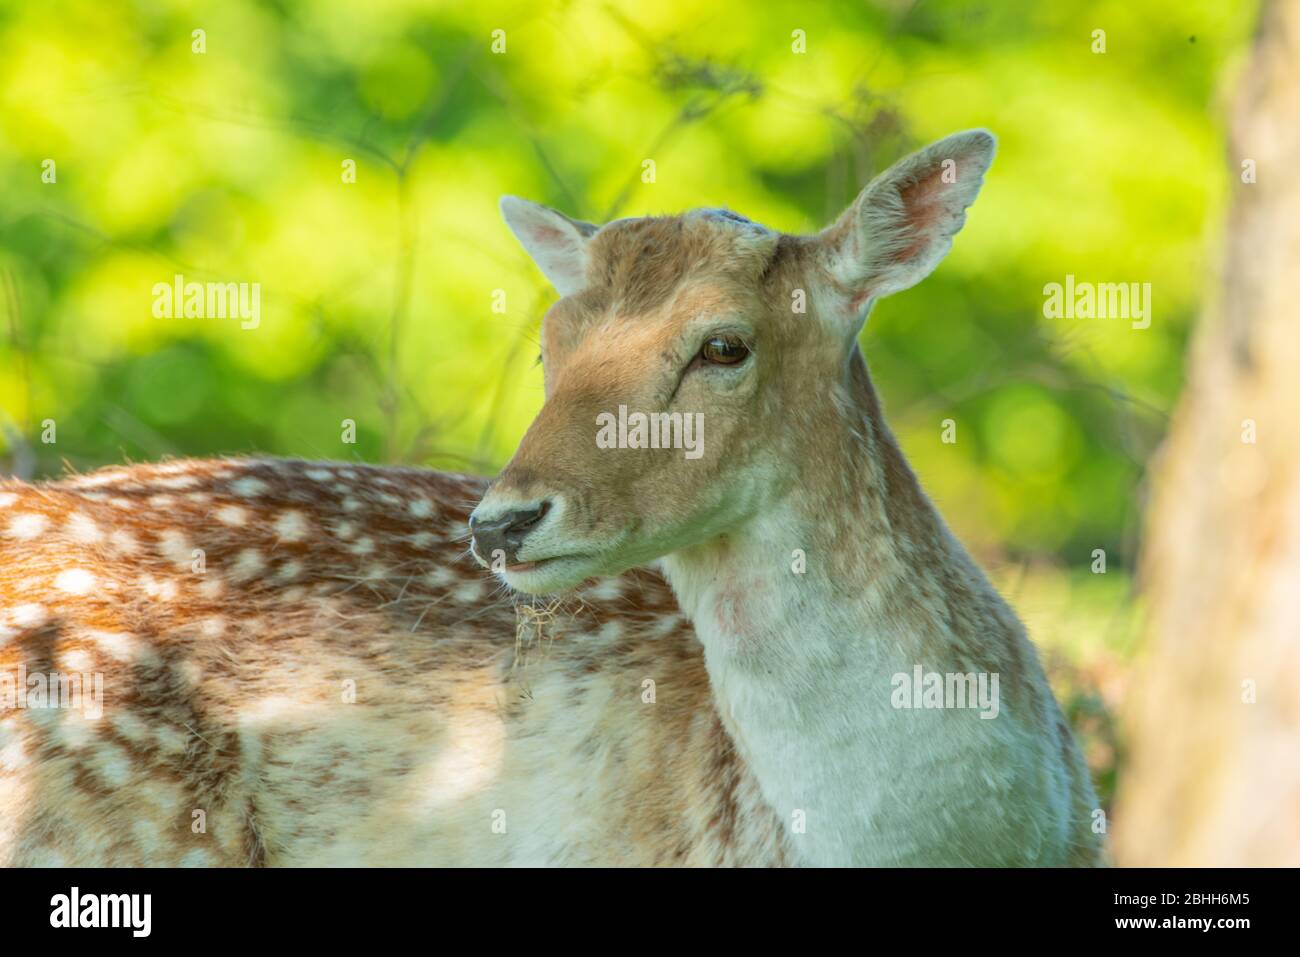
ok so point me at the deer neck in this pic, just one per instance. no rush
(808, 611)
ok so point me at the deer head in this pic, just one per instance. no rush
(701, 368)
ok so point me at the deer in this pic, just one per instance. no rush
(610, 654)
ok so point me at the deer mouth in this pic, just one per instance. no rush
(535, 563)
(543, 576)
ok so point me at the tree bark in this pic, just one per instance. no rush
(1212, 778)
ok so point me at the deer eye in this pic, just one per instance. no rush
(724, 351)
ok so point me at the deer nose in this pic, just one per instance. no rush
(506, 533)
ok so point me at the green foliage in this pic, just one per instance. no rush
(376, 300)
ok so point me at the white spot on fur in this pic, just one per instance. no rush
(130, 727)
(96, 480)
(124, 541)
(190, 673)
(82, 529)
(170, 740)
(319, 475)
(469, 592)
(420, 508)
(248, 487)
(666, 625)
(291, 526)
(232, 515)
(146, 835)
(441, 577)
(609, 589)
(7, 499)
(363, 546)
(13, 756)
(176, 547)
(344, 529)
(71, 732)
(30, 615)
(75, 581)
(27, 526)
(113, 764)
(76, 659)
(248, 564)
(116, 644)
(351, 504)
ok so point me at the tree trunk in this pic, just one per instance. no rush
(1213, 774)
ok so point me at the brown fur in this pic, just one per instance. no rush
(223, 692)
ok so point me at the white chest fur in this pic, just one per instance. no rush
(805, 685)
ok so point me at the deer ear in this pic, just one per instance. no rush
(557, 243)
(903, 223)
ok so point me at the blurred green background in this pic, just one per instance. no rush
(377, 295)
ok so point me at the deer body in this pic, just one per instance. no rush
(471, 740)
(338, 682)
